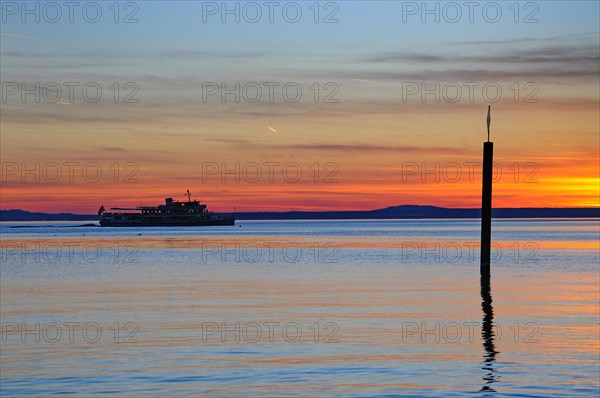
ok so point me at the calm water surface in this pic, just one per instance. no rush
(301, 308)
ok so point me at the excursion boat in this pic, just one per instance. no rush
(171, 214)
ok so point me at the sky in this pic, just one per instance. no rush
(298, 105)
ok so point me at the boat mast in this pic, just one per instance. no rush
(189, 196)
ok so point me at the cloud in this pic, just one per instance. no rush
(114, 55)
(405, 57)
(345, 148)
(5, 34)
(558, 54)
(569, 57)
(212, 54)
(112, 149)
(513, 41)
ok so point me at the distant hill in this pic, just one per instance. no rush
(23, 215)
(399, 212)
(414, 211)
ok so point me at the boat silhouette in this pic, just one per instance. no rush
(172, 213)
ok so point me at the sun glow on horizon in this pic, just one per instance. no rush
(317, 126)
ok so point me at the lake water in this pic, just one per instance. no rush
(301, 308)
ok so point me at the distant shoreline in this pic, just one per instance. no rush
(394, 212)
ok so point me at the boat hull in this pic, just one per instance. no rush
(190, 223)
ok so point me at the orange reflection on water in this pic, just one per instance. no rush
(350, 242)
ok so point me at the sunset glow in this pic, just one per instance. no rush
(174, 104)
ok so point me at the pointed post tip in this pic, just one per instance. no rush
(489, 121)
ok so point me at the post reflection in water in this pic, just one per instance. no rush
(487, 334)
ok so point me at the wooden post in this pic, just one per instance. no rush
(486, 201)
